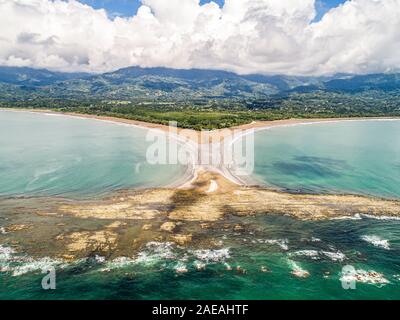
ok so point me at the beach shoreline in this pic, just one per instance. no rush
(122, 222)
(193, 140)
(194, 134)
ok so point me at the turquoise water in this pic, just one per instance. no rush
(74, 157)
(275, 243)
(361, 157)
(67, 156)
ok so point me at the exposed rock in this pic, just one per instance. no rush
(60, 237)
(194, 204)
(147, 227)
(264, 269)
(240, 270)
(116, 225)
(301, 273)
(103, 241)
(158, 238)
(139, 206)
(68, 257)
(168, 226)
(17, 227)
(181, 239)
(181, 269)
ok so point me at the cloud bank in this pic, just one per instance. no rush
(244, 36)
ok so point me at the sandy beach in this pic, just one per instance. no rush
(195, 142)
(195, 135)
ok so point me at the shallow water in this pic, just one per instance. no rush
(74, 157)
(280, 244)
(361, 157)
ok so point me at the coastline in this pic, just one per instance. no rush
(187, 213)
(192, 141)
(194, 135)
(123, 222)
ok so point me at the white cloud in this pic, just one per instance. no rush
(246, 36)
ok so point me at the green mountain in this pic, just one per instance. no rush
(35, 77)
(174, 84)
(201, 99)
(144, 83)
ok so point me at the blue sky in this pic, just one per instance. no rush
(129, 7)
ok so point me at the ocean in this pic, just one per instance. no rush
(269, 257)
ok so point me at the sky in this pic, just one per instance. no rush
(293, 37)
(127, 8)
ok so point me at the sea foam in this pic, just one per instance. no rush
(316, 255)
(282, 243)
(212, 256)
(363, 276)
(17, 265)
(377, 241)
(154, 253)
(297, 270)
(313, 254)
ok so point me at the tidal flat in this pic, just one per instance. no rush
(122, 223)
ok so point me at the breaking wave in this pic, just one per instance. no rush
(377, 241)
(17, 265)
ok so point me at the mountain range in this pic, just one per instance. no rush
(176, 84)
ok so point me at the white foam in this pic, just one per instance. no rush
(380, 217)
(397, 277)
(355, 217)
(377, 241)
(5, 253)
(199, 265)
(228, 267)
(36, 265)
(335, 256)
(3, 230)
(19, 265)
(297, 270)
(282, 243)
(362, 276)
(315, 255)
(118, 263)
(368, 216)
(180, 267)
(155, 252)
(99, 259)
(210, 255)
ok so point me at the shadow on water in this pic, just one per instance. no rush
(312, 167)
